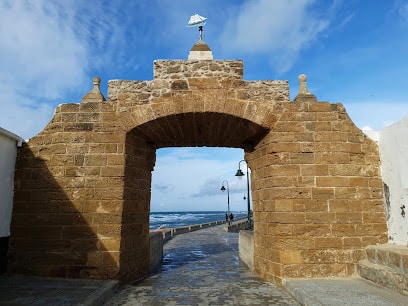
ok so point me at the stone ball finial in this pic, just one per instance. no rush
(302, 84)
(96, 81)
(304, 94)
(95, 94)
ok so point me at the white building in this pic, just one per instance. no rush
(9, 143)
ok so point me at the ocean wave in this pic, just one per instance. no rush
(179, 219)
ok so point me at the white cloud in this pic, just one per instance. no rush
(41, 56)
(212, 186)
(209, 188)
(41, 60)
(164, 188)
(51, 50)
(23, 118)
(278, 28)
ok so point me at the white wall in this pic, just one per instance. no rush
(8, 152)
(393, 145)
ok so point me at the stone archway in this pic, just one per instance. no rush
(82, 186)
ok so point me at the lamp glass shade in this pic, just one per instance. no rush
(223, 188)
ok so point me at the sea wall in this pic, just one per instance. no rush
(237, 226)
(156, 251)
(246, 248)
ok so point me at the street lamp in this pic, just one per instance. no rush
(227, 189)
(240, 174)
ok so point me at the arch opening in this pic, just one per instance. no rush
(207, 130)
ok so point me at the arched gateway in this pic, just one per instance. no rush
(82, 186)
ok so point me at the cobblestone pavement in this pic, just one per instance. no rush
(202, 268)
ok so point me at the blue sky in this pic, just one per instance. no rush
(353, 51)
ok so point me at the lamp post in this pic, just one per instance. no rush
(227, 189)
(240, 174)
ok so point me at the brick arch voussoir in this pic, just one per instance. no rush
(138, 115)
(260, 113)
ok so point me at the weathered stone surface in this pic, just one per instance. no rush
(386, 264)
(84, 181)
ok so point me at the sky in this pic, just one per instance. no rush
(352, 51)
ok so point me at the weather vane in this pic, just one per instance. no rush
(197, 21)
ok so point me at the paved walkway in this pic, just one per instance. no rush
(30, 290)
(202, 268)
(343, 291)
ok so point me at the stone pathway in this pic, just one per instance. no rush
(202, 268)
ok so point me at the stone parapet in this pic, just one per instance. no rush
(132, 93)
(192, 77)
(179, 69)
(180, 78)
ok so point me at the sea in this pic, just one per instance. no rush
(178, 219)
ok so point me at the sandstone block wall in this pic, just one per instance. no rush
(82, 186)
(185, 78)
(317, 193)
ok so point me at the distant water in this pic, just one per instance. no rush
(178, 219)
